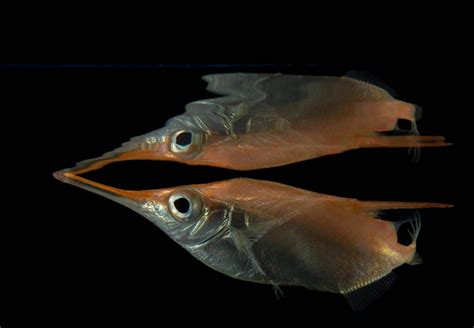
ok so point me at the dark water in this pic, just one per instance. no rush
(72, 255)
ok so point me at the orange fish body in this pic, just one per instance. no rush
(267, 120)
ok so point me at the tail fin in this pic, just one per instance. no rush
(414, 230)
(415, 222)
(404, 136)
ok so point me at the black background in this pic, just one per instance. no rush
(73, 256)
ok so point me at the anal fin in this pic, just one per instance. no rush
(360, 298)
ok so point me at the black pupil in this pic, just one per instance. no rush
(184, 138)
(182, 205)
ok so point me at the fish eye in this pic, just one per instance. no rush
(184, 138)
(184, 206)
(187, 143)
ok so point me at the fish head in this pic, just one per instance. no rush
(178, 141)
(187, 214)
(210, 132)
(184, 213)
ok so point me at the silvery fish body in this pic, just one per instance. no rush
(275, 234)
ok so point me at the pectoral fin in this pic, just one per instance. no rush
(246, 236)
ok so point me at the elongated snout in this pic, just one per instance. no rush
(124, 197)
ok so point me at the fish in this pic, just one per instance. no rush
(270, 233)
(268, 120)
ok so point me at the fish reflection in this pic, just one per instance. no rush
(267, 120)
(271, 233)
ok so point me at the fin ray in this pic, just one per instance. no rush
(360, 298)
(366, 77)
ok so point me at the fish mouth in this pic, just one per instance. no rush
(60, 175)
(150, 146)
